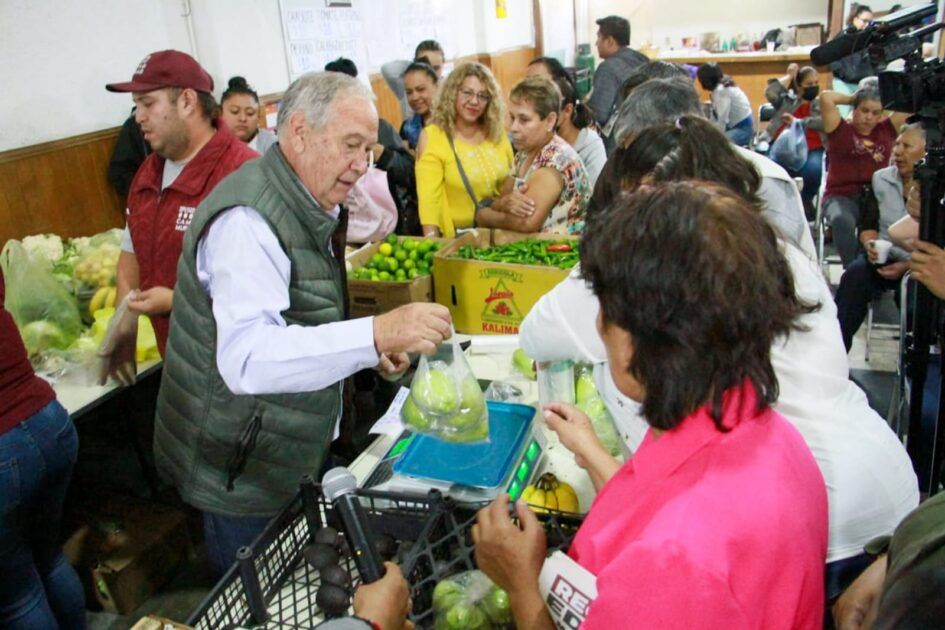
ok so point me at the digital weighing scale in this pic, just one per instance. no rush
(417, 463)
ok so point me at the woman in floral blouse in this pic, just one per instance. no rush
(549, 188)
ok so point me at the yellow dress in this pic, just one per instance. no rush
(443, 198)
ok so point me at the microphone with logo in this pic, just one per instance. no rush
(338, 486)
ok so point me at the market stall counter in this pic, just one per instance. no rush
(285, 579)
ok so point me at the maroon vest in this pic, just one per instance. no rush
(157, 220)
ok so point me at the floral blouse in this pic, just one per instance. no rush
(567, 215)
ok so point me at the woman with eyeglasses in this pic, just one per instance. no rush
(550, 188)
(464, 154)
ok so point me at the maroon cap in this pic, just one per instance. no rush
(166, 68)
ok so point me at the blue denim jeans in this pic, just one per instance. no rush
(811, 173)
(224, 535)
(742, 132)
(39, 589)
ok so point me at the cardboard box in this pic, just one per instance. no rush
(130, 549)
(808, 34)
(153, 622)
(369, 297)
(487, 297)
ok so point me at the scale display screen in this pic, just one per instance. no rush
(524, 471)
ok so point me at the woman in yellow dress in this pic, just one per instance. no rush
(464, 155)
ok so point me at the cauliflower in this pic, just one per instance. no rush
(44, 247)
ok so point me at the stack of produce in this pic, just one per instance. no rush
(530, 251)
(55, 288)
(398, 259)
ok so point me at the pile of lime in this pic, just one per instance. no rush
(399, 259)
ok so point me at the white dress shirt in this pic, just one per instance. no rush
(870, 482)
(244, 270)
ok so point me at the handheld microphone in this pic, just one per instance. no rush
(338, 486)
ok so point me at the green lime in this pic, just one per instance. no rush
(385, 249)
(385, 276)
(413, 417)
(414, 254)
(409, 264)
(392, 239)
(400, 254)
(435, 391)
(392, 264)
(400, 274)
(409, 244)
(377, 259)
(413, 273)
(425, 246)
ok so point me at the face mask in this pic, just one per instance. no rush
(810, 93)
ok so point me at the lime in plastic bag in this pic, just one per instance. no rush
(445, 399)
(46, 314)
(588, 400)
(470, 600)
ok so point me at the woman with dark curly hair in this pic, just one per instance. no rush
(720, 518)
(464, 155)
(870, 481)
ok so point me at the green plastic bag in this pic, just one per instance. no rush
(44, 311)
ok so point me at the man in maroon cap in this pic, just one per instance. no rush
(192, 153)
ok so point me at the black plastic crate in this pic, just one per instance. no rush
(272, 586)
(445, 548)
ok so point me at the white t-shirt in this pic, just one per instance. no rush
(870, 482)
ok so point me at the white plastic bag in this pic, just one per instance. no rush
(445, 399)
(790, 148)
(372, 213)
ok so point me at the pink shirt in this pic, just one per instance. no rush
(703, 529)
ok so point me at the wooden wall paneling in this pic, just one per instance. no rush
(388, 106)
(509, 67)
(59, 187)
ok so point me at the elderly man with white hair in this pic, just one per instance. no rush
(259, 346)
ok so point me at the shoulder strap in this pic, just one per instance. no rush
(462, 172)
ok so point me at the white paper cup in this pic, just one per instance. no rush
(881, 247)
(770, 45)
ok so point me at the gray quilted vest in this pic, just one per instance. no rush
(243, 455)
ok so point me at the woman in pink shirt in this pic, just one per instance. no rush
(719, 520)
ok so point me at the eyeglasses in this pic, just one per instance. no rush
(470, 95)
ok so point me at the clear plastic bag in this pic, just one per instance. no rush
(471, 600)
(445, 399)
(44, 311)
(589, 400)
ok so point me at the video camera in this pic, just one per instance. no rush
(921, 84)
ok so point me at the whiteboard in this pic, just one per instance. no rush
(369, 32)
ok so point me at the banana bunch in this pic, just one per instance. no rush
(550, 493)
(103, 298)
